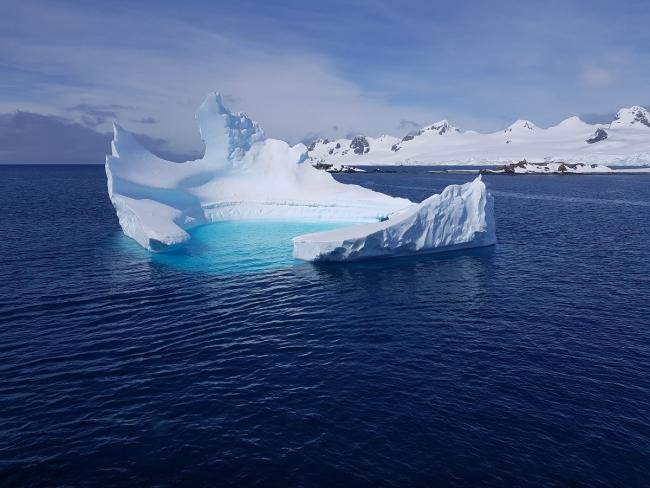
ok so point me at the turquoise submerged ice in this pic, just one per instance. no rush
(244, 176)
(243, 246)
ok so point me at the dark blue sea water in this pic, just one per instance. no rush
(526, 364)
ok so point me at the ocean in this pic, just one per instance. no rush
(231, 364)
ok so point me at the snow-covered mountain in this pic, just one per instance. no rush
(625, 141)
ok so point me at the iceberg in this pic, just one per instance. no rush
(460, 217)
(245, 176)
(242, 175)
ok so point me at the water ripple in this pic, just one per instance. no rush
(525, 364)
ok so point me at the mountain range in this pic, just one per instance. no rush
(624, 141)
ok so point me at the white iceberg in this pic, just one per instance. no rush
(244, 175)
(460, 217)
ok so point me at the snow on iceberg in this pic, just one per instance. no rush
(462, 216)
(245, 176)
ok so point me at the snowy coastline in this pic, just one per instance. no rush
(624, 141)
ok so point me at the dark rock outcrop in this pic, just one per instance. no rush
(441, 128)
(360, 145)
(599, 135)
(324, 166)
(534, 168)
(641, 118)
(312, 146)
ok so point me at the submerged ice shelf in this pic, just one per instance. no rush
(236, 247)
(245, 176)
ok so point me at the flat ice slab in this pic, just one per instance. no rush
(462, 216)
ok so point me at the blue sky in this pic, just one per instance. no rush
(321, 68)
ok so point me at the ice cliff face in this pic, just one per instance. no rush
(460, 217)
(625, 141)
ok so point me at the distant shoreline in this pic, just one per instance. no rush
(556, 173)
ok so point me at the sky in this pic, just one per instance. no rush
(307, 69)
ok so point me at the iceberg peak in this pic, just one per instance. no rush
(124, 141)
(227, 136)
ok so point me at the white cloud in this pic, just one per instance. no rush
(596, 76)
(479, 66)
(290, 92)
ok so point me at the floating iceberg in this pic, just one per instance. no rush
(242, 175)
(245, 176)
(461, 216)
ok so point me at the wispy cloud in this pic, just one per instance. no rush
(145, 120)
(290, 91)
(94, 115)
(409, 124)
(597, 76)
(29, 138)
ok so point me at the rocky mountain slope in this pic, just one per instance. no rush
(625, 141)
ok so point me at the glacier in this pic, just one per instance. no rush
(462, 216)
(244, 175)
(624, 141)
